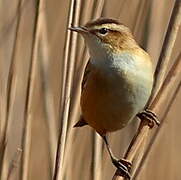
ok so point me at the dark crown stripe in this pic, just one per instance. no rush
(101, 21)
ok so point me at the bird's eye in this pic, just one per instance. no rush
(103, 31)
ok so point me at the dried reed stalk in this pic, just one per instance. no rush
(69, 69)
(156, 134)
(46, 91)
(82, 56)
(168, 86)
(10, 80)
(97, 157)
(76, 93)
(66, 55)
(167, 48)
(14, 164)
(28, 104)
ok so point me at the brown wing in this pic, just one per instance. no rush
(82, 121)
(86, 74)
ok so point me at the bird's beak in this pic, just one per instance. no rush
(81, 30)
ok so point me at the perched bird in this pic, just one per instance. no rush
(117, 81)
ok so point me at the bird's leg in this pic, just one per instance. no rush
(123, 166)
(149, 116)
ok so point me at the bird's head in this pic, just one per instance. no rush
(106, 36)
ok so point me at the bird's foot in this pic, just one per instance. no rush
(150, 116)
(126, 163)
(123, 166)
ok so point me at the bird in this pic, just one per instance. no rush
(117, 81)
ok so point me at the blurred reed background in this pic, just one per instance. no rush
(41, 65)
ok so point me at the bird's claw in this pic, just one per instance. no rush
(150, 116)
(126, 163)
(123, 166)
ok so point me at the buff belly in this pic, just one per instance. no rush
(110, 101)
